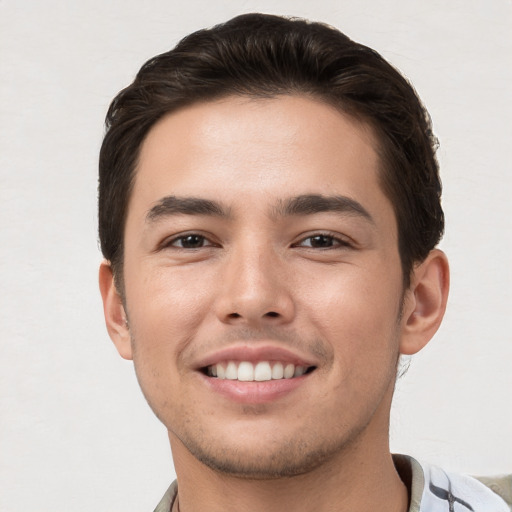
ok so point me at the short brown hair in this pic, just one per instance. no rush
(262, 55)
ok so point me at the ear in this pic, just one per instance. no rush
(425, 302)
(113, 309)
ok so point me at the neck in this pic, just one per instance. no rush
(357, 479)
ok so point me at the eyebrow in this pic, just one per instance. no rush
(306, 204)
(172, 205)
(309, 204)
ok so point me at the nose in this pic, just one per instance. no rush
(254, 289)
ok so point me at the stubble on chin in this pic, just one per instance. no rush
(284, 459)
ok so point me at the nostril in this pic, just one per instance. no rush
(234, 315)
(272, 314)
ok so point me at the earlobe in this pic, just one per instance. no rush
(425, 302)
(113, 309)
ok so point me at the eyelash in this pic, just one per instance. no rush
(334, 239)
(171, 242)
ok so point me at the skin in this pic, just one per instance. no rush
(325, 286)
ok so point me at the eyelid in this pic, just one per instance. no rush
(170, 240)
(342, 240)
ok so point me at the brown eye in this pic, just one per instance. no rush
(190, 242)
(321, 241)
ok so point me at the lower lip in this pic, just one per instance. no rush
(254, 392)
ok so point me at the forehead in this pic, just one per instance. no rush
(241, 148)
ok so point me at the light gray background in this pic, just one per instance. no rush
(75, 432)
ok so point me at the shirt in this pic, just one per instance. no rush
(431, 489)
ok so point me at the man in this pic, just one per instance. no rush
(269, 209)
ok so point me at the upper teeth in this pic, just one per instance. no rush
(261, 371)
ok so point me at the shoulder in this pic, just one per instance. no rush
(434, 489)
(168, 498)
(500, 485)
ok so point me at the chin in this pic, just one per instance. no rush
(271, 460)
(269, 466)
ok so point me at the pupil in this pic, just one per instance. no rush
(192, 241)
(321, 241)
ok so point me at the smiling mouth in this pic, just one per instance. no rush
(261, 371)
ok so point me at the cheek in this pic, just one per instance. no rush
(165, 310)
(357, 311)
(167, 292)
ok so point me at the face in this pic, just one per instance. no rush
(263, 284)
